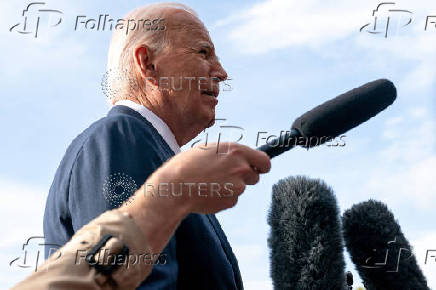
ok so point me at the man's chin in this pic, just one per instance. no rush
(211, 122)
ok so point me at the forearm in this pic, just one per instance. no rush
(68, 269)
(157, 216)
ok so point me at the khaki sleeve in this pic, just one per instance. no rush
(68, 268)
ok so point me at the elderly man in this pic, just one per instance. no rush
(163, 84)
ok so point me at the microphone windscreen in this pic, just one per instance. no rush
(346, 111)
(305, 238)
(377, 246)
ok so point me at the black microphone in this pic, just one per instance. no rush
(305, 238)
(335, 117)
(377, 246)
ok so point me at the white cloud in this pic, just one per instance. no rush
(320, 25)
(56, 47)
(413, 185)
(391, 131)
(405, 170)
(415, 144)
(21, 214)
(283, 23)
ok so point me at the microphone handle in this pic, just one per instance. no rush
(282, 144)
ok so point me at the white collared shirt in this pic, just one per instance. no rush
(160, 126)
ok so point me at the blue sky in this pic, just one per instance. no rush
(284, 57)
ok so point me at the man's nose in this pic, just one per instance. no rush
(218, 72)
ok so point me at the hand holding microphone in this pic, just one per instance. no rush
(208, 179)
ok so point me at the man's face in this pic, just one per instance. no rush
(189, 72)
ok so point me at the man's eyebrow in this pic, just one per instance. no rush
(208, 45)
(205, 44)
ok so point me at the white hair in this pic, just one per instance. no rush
(120, 80)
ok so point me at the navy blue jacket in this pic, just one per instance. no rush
(105, 165)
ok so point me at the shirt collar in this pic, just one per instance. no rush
(160, 126)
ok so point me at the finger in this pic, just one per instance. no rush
(251, 177)
(259, 160)
(216, 147)
(238, 188)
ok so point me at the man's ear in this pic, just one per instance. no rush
(143, 61)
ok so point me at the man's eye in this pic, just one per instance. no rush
(203, 51)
